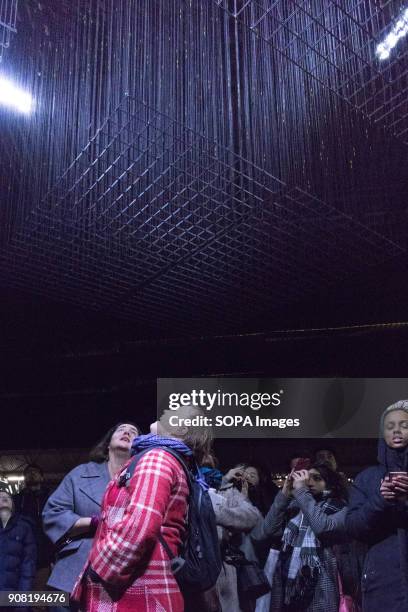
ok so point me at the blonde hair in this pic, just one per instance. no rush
(400, 405)
(199, 439)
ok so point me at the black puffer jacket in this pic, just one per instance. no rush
(18, 555)
(383, 526)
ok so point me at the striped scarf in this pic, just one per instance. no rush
(304, 558)
(152, 441)
(149, 441)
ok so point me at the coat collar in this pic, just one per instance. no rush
(93, 480)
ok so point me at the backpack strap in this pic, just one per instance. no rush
(127, 474)
(183, 464)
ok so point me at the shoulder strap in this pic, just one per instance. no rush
(126, 475)
(182, 463)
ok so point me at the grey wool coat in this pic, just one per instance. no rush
(234, 515)
(79, 495)
(329, 529)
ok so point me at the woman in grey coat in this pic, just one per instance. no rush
(309, 517)
(235, 515)
(71, 513)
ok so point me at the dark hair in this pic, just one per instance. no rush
(33, 466)
(262, 494)
(329, 449)
(301, 454)
(210, 460)
(100, 452)
(335, 482)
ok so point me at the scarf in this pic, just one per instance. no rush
(152, 441)
(304, 561)
(212, 477)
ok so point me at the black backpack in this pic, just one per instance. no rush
(199, 563)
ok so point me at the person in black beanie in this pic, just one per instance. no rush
(378, 516)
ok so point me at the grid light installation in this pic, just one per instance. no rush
(399, 30)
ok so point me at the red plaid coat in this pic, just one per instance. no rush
(128, 569)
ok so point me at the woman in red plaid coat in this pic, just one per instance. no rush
(128, 569)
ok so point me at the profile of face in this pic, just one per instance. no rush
(33, 476)
(174, 428)
(326, 456)
(251, 476)
(6, 503)
(396, 429)
(316, 483)
(123, 437)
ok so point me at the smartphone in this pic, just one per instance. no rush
(302, 464)
(393, 475)
(237, 483)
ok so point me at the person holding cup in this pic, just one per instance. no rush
(378, 516)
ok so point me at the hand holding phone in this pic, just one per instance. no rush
(303, 463)
(235, 474)
(400, 482)
(300, 479)
(394, 487)
(387, 489)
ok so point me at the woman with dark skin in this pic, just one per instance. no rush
(308, 516)
(378, 516)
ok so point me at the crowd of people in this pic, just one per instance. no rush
(150, 523)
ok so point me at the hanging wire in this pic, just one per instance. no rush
(8, 16)
(234, 151)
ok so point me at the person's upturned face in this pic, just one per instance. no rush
(5, 501)
(396, 429)
(123, 437)
(176, 428)
(251, 475)
(327, 457)
(316, 482)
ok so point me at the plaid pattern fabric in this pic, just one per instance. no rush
(299, 535)
(305, 549)
(130, 569)
(326, 592)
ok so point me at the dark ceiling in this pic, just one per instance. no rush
(199, 168)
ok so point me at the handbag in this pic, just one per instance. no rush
(346, 603)
(207, 601)
(263, 603)
(252, 581)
